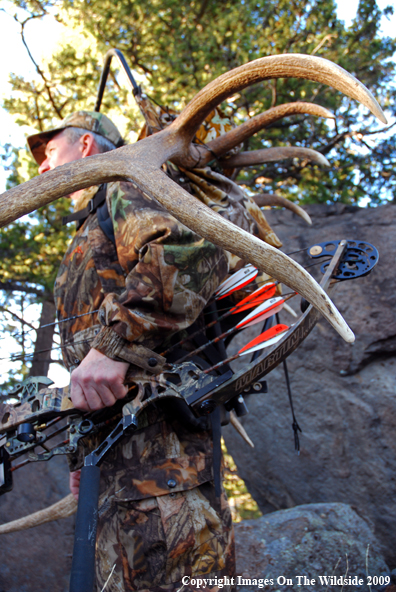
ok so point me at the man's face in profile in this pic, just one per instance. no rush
(60, 151)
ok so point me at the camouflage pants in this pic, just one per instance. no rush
(150, 545)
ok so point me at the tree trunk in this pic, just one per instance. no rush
(42, 348)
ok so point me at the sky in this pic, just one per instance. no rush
(42, 37)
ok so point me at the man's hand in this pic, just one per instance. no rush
(98, 382)
(74, 483)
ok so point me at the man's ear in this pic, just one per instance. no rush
(88, 145)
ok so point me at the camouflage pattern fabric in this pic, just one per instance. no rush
(150, 545)
(215, 190)
(154, 283)
(94, 122)
(215, 125)
(159, 276)
(163, 455)
(159, 518)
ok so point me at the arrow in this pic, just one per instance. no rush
(269, 337)
(262, 312)
(266, 339)
(255, 298)
(237, 281)
(242, 278)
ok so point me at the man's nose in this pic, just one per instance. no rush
(44, 166)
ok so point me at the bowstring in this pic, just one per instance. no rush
(57, 322)
(18, 357)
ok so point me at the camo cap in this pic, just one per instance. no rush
(88, 120)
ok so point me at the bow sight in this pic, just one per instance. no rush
(358, 260)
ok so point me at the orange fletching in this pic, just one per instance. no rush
(269, 334)
(255, 298)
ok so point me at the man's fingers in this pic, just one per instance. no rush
(106, 393)
(85, 396)
(93, 397)
(98, 382)
(119, 390)
(78, 397)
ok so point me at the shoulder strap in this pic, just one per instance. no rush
(98, 204)
(80, 216)
(105, 221)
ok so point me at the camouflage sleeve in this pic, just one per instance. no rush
(170, 273)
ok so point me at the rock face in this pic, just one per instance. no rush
(293, 547)
(344, 395)
(38, 559)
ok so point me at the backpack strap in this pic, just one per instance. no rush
(105, 221)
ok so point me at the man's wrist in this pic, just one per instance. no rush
(115, 347)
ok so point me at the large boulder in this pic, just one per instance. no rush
(309, 548)
(344, 395)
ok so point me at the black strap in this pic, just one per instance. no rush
(93, 204)
(216, 434)
(295, 426)
(214, 354)
(105, 221)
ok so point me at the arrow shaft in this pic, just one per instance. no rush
(248, 302)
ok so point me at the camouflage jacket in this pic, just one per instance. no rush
(128, 298)
(157, 277)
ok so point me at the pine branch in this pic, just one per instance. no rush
(14, 286)
(17, 317)
(38, 69)
(201, 11)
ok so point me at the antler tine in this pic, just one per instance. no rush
(140, 163)
(279, 66)
(63, 509)
(238, 135)
(273, 155)
(173, 143)
(273, 199)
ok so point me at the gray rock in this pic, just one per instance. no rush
(38, 559)
(294, 548)
(344, 395)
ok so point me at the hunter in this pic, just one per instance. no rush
(145, 278)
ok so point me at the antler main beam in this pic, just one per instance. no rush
(141, 164)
